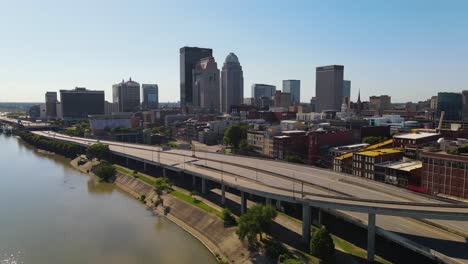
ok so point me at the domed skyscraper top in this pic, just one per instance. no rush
(231, 58)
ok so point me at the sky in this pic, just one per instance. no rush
(409, 50)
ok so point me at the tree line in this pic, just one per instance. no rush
(63, 148)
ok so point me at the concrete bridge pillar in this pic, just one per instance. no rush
(319, 220)
(371, 237)
(306, 223)
(164, 172)
(193, 180)
(268, 201)
(278, 205)
(127, 161)
(144, 166)
(223, 194)
(243, 203)
(203, 185)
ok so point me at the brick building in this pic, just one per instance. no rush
(364, 162)
(290, 143)
(414, 139)
(445, 174)
(319, 142)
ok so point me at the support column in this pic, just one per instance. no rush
(223, 194)
(193, 180)
(127, 162)
(203, 185)
(268, 201)
(278, 205)
(164, 172)
(305, 223)
(144, 166)
(243, 203)
(371, 237)
(319, 217)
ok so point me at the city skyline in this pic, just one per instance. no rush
(386, 48)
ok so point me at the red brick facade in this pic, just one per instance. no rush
(445, 174)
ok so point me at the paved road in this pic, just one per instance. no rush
(300, 182)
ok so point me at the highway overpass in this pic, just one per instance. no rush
(360, 199)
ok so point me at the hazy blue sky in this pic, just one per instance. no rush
(407, 49)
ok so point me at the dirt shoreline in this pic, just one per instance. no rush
(207, 228)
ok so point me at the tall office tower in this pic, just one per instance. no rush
(282, 99)
(329, 87)
(347, 89)
(127, 95)
(206, 85)
(465, 105)
(294, 88)
(51, 104)
(260, 91)
(150, 96)
(189, 56)
(380, 103)
(452, 104)
(232, 83)
(79, 103)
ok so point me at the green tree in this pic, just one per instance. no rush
(104, 171)
(255, 221)
(294, 158)
(373, 140)
(234, 134)
(228, 218)
(321, 245)
(161, 185)
(98, 151)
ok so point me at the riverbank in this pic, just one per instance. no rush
(206, 227)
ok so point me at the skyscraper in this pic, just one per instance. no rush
(189, 56)
(451, 104)
(260, 91)
(294, 88)
(150, 96)
(329, 87)
(232, 83)
(51, 104)
(347, 89)
(80, 102)
(206, 85)
(127, 95)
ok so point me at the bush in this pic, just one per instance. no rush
(321, 245)
(104, 171)
(229, 219)
(292, 261)
(142, 198)
(275, 249)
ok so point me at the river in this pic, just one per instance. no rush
(53, 214)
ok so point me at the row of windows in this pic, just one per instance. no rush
(447, 163)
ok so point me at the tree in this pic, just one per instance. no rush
(294, 158)
(161, 185)
(98, 151)
(229, 219)
(255, 221)
(104, 171)
(372, 140)
(321, 245)
(234, 134)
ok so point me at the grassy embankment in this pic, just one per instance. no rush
(178, 194)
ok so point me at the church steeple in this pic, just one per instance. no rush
(359, 104)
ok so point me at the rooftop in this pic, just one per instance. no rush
(416, 135)
(375, 153)
(402, 165)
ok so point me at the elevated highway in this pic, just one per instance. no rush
(356, 198)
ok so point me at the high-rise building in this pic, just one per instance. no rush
(127, 95)
(329, 87)
(51, 104)
(347, 89)
(232, 83)
(150, 96)
(282, 99)
(293, 87)
(80, 102)
(465, 105)
(380, 103)
(260, 91)
(451, 104)
(206, 85)
(189, 56)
